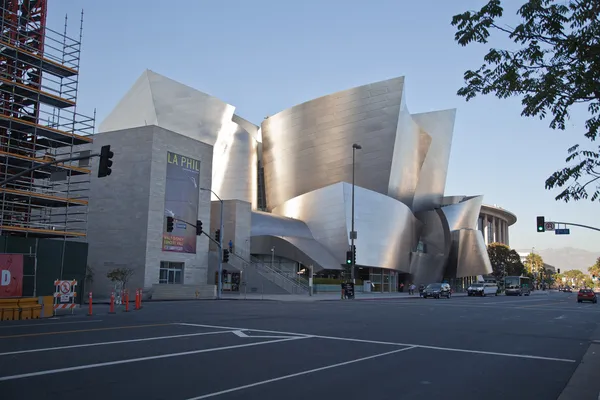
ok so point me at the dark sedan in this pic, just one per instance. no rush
(437, 290)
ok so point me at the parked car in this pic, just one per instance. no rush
(437, 290)
(586, 295)
(483, 289)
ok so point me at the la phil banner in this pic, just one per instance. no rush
(11, 275)
(182, 193)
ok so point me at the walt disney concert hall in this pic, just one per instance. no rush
(286, 184)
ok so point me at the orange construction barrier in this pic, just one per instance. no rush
(90, 304)
(112, 303)
(127, 301)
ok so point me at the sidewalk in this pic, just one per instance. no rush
(326, 296)
(337, 296)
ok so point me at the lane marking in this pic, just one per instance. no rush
(50, 324)
(81, 330)
(310, 371)
(444, 304)
(514, 301)
(531, 357)
(134, 360)
(556, 303)
(112, 342)
(241, 334)
(561, 317)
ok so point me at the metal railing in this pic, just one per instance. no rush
(276, 276)
(292, 277)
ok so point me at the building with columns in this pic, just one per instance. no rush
(494, 222)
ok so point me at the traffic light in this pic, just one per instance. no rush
(169, 224)
(353, 255)
(198, 228)
(558, 269)
(218, 235)
(225, 255)
(105, 161)
(541, 224)
(349, 257)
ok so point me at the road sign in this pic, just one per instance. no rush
(549, 226)
(562, 231)
(64, 295)
(65, 287)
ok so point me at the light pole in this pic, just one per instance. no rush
(220, 275)
(273, 257)
(352, 231)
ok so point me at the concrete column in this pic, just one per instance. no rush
(499, 227)
(485, 230)
(506, 234)
(494, 231)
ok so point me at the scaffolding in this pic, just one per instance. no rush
(39, 122)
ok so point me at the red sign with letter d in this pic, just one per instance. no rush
(11, 275)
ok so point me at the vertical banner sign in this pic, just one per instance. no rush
(11, 275)
(182, 192)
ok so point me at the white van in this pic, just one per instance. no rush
(483, 289)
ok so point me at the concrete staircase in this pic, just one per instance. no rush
(273, 276)
(183, 292)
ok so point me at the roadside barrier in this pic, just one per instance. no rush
(20, 309)
(127, 301)
(90, 304)
(112, 303)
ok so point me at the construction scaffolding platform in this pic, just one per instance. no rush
(39, 122)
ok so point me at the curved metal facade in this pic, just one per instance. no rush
(463, 215)
(388, 230)
(158, 100)
(403, 220)
(306, 147)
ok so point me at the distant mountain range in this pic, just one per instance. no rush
(567, 258)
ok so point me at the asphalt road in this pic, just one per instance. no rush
(462, 348)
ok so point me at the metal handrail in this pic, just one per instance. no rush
(296, 281)
(275, 276)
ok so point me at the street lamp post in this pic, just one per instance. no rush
(273, 257)
(352, 231)
(220, 275)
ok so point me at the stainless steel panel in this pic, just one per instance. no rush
(309, 146)
(267, 224)
(464, 215)
(427, 268)
(387, 229)
(472, 257)
(439, 125)
(306, 251)
(157, 100)
(408, 157)
(234, 173)
(437, 239)
(436, 233)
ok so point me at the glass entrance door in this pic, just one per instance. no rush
(171, 273)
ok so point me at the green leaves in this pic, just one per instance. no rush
(556, 68)
(504, 260)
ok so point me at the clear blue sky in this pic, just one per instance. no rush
(263, 56)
